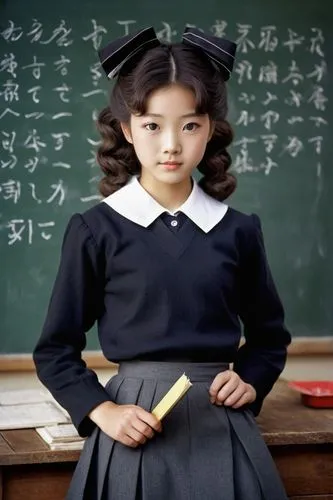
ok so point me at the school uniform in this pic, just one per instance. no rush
(169, 293)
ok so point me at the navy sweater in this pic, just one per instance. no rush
(160, 295)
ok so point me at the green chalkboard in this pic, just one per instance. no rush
(51, 88)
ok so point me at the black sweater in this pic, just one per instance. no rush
(159, 294)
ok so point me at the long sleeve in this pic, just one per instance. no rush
(262, 358)
(75, 304)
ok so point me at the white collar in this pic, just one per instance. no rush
(136, 204)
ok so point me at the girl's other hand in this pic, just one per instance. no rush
(230, 390)
(131, 425)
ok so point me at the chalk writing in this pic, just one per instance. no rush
(33, 141)
(12, 33)
(34, 91)
(316, 42)
(268, 74)
(244, 71)
(279, 111)
(166, 33)
(270, 97)
(244, 42)
(21, 230)
(36, 31)
(219, 27)
(127, 25)
(60, 138)
(10, 92)
(269, 41)
(9, 111)
(294, 40)
(11, 190)
(62, 65)
(36, 68)
(8, 140)
(60, 35)
(96, 35)
(9, 64)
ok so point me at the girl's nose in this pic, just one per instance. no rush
(171, 144)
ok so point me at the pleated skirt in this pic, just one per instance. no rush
(205, 451)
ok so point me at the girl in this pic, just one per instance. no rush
(168, 271)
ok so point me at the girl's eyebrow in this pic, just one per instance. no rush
(188, 115)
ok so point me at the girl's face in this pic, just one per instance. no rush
(170, 139)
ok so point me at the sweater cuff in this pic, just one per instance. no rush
(80, 400)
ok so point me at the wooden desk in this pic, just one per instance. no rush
(299, 438)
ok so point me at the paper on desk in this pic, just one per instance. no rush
(23, 416)
(77, 445)
(59, 433)
(25, 396)
(61, 437)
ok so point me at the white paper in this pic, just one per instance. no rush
(23, 416)
(26, 396)
(77, 445)
(61, 432)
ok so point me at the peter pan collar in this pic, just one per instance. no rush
(136, 204)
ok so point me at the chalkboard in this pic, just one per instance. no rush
(51, 87)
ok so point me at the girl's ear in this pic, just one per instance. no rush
(211, 130)
(127, 132)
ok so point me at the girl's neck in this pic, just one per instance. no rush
(170, 196)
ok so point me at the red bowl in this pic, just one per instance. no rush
(314, 393)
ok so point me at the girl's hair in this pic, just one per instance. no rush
(158, 68)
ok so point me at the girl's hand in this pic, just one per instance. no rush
(230, 390)
(128, 424)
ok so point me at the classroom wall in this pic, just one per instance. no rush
(297, 368)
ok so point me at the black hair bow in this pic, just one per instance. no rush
(119, 51)
(220, 51)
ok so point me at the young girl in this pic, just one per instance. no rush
(169, 272)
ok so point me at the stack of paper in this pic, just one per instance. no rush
(61, 437)
(177, 391)
(29, 409)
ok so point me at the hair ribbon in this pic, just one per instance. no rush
(220, 51)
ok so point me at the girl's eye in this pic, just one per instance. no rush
(190, 127)
(151, 127)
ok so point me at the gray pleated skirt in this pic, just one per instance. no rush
(205, 452)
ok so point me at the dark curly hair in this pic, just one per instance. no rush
(159, 67)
